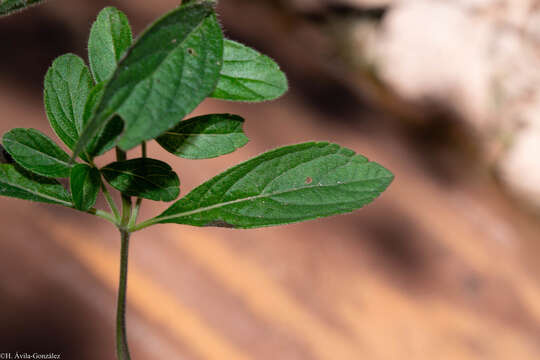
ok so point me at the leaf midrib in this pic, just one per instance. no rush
(40, 152)
(249, 198)
(33, 192)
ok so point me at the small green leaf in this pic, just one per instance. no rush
(19, 183)
(85, 182)
(67, 85)
(9, 6)
(37, 153)
(205, 137)
(286, 185)
(106, 139)
(146, 178)
(110, 37)
(247, 75)
(167, 72)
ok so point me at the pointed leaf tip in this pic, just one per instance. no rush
(286, 185)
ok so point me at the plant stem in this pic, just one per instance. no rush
(126, 200)
(121, 336)
(135, 213)
(143, 149)
(122, 349)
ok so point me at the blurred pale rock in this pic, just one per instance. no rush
(480, 58)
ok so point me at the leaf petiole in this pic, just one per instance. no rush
(110, 201)
(104, 215)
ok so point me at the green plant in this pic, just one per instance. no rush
(139, 91)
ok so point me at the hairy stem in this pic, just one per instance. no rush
(122, 349)
(135, 213)
(121, 336)
(126, 200)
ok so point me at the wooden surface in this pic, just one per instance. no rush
(440, 267)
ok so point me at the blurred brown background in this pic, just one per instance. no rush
(443, 266)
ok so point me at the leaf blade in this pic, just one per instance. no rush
(205, 137)
(9, 6)
(167, 72)
(37, 153)
(143, 177)
(84, 182)
(110, 37)
(105, 140)
(248, 75)
(67, 85)
(286, 185)
(18, 183)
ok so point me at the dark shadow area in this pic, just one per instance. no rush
(44, 323)
(443, 145)
(30, 42)
(398, 243)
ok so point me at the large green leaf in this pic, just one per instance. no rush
(167, 72)
(247, 75)
(37, 153)
(286, 185)
(19, 183)
(205, 137)
(110, 37)
(84, 182)
(106, 138)
(146, 178)
(9, 6)
(67, 85)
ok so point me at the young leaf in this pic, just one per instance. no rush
(9, 6)
(146, 178)
(37, 153)
(84, 182)
(286, 185)
(19, 183)
(205, 137)
(67, 85)
(110, 37)
(247, 75)
(167, 72)
(106, 139)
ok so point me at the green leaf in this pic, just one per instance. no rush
(9, 6)
(286, 185)
(67, 86)
(37, 153)
(205, 137)
(110, 37)
(247, 75)
(85, 182)
(106, 139)
(167, 72)
(146, 178)
(19, 183)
